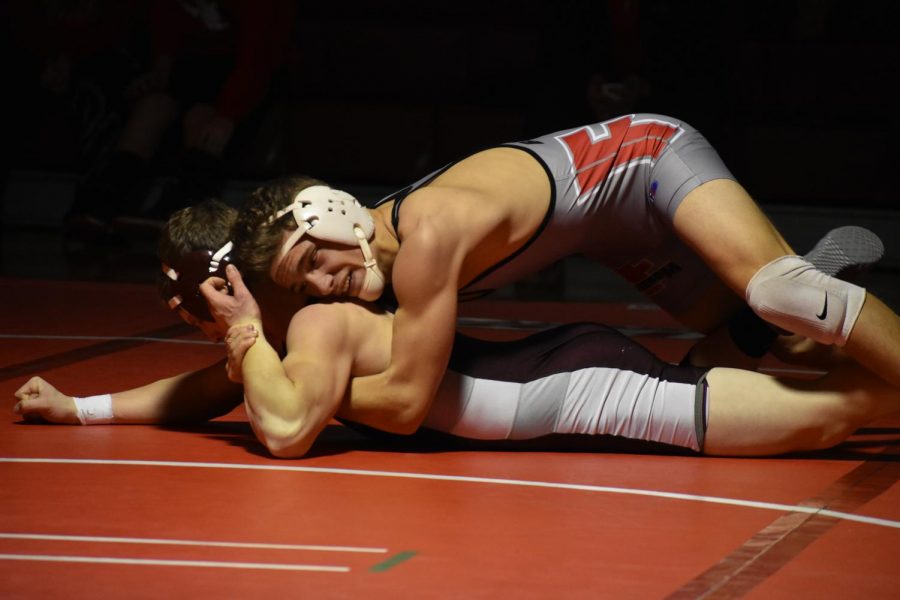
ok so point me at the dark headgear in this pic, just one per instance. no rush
(182, 286)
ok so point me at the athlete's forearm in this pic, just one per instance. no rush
(150, 403)
(425, 279)
(378, 402)
(398, 399)
(267, 388)
(277, 406)
(188, 397)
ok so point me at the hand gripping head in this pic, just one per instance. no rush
(182, 286)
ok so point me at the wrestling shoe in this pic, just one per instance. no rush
(846, 252)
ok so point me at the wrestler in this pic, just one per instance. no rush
(578, 379)
(645, 195)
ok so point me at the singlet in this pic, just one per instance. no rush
(615, 186)
(583, 379)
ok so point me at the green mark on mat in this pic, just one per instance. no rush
(392, 561)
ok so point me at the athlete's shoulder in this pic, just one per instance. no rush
(317, 323)
(425, 235)
(435, 209)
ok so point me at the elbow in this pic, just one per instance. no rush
(409, 417)
(279, 449)
(281, 439)
(402, 427)
(286, 447)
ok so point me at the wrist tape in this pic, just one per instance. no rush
(94, 410)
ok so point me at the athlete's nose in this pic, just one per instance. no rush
(319, 283)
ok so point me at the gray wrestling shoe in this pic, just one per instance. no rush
(846, 252)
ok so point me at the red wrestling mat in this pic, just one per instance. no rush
(139, 511)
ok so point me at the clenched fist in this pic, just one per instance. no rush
(38, 400)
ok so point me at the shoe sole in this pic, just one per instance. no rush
(846, 252)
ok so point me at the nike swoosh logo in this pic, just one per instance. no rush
(821, 316)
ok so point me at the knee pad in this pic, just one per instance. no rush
(792, 294)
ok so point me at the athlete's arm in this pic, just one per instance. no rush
(425, 277)
(195, 396)
(290, 402)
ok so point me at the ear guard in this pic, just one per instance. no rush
(181, 288)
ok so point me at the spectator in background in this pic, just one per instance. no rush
(70, 62)
(213, 64)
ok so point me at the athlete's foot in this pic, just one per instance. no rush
(846, 252)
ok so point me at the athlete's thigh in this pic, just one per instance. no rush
(721, 223)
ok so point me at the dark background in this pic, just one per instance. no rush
(371, 95)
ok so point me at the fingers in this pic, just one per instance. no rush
(208, 290)
(237, 349)
(243, 344)
(241, 334)
(236, 330)
(31, 388)
(228, 310)
(47, 406)
(240, 338)
(213, 287)
(236, 281)
(234, 372)
(215, 291)
(31, 401)
(31, 409)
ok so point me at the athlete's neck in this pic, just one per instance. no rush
(385, 244)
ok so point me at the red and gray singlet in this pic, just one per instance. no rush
(615, 186)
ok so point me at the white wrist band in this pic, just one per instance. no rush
(94, 410)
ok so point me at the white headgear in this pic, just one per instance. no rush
(335, 216)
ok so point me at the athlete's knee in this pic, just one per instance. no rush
(829, 426)
(791, 293)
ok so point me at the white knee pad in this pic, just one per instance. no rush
(792, 294)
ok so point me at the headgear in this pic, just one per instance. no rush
(331, 215)
(182, 286)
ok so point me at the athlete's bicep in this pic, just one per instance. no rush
(424, 276)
